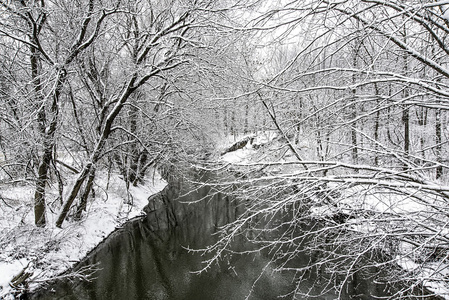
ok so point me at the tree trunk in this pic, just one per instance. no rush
(134, 153)
(353, 106)
(39, 194)
(406, 122)
(83, 201)
(438, 140)
(49, 145)
(421, 114)
(246, 126)
(96, 154)
(74, 192)
(142, 167)
(406, 108)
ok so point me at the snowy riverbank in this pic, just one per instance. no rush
(47, 252)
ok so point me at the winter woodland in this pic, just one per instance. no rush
(342, 107)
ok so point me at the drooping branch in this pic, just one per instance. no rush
(279, 128)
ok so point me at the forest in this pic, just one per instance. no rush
(354, 92)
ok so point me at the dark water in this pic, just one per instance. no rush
(147, 259)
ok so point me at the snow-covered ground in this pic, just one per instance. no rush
(49, 251)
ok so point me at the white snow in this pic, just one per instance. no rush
(49, 251)
(238, 155)
(11, 269)
(244, 155)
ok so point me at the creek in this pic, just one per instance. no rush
(148, 258)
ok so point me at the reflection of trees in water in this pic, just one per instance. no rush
(149, 258)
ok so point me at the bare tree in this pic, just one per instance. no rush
(34, 24)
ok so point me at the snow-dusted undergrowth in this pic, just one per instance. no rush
(49, 251)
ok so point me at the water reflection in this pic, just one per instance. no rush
(147, 259)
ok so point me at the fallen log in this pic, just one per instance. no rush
(19, 282)
(239, 145)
